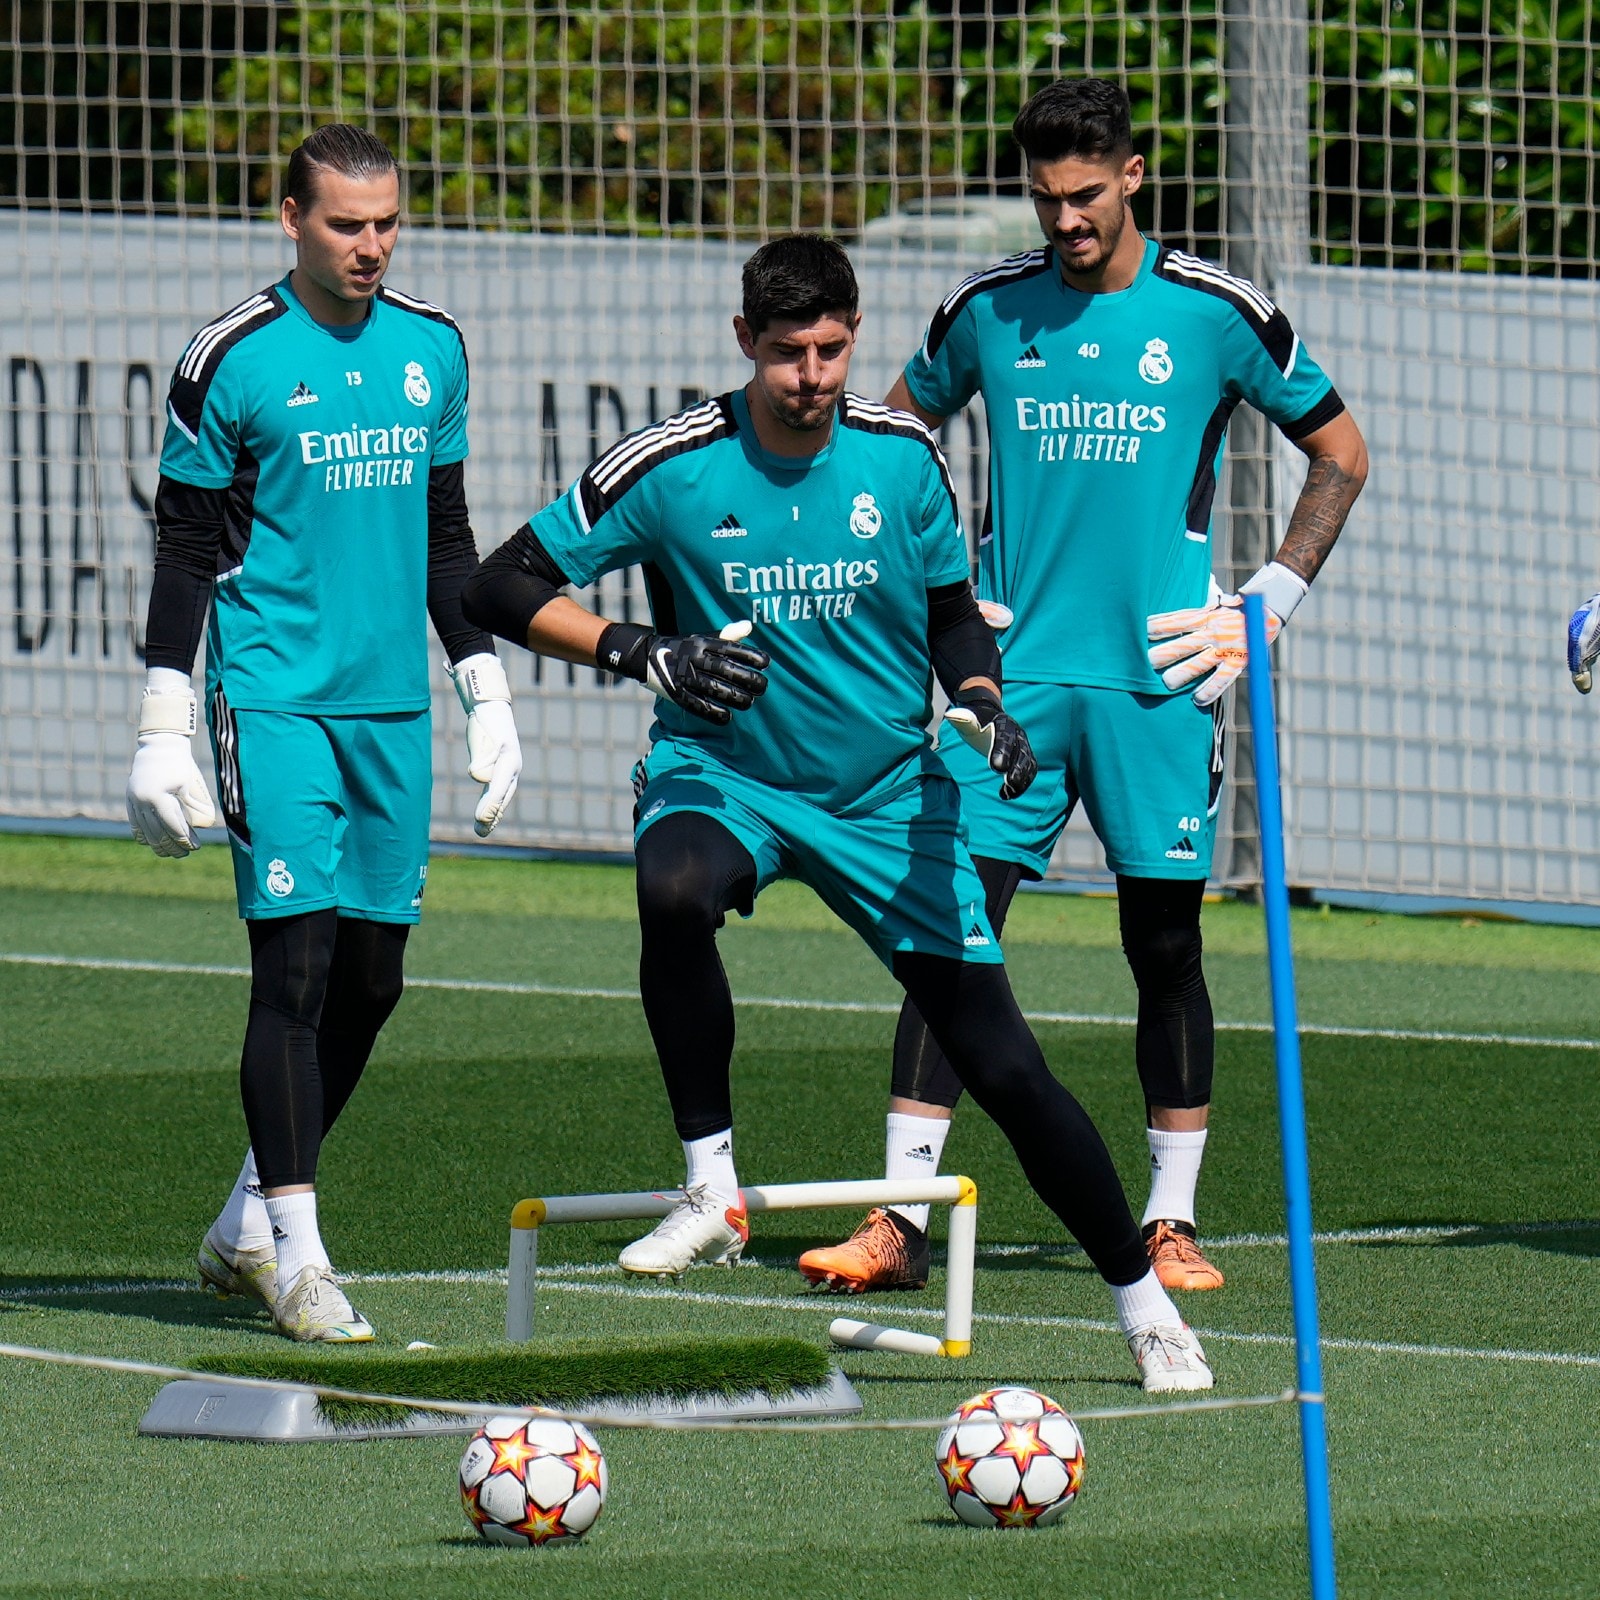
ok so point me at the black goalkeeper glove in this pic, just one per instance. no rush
(709, 676)
(983, 722)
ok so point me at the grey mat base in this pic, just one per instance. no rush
(191, 1408)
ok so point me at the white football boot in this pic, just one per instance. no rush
(253, 1273)
(1170, 1359)
(700, 1227)
(314, 1308)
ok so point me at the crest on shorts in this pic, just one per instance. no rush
(1155, 365)
(865, 519)
(280, 881)
(418, 390)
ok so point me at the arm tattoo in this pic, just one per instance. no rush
(1318, 516)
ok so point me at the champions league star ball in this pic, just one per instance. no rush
(532, 1480)
(1010, 1458)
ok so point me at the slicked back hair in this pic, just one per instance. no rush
(1085, 118)
(798, 278)
(335, 147)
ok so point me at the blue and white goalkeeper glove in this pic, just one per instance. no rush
(167, 798)
(1583, 644)
(494, 754)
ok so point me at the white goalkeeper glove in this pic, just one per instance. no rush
(494, 756)
(167, 798)
(1210, 639)
(1583, 644)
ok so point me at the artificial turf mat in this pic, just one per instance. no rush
(570, 1375)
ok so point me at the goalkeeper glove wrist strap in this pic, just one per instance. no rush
(1281, 589)
(479, 678)
(980, 700)
(172, 712)
(624, 647)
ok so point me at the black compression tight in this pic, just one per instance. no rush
(1175, 1044)
(972, 1013)
(321, 987)
(692, 872)
(920, 1071)
(1175, 1040)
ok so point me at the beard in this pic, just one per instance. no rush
(805, 413)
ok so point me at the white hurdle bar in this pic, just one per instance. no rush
(960, 1194)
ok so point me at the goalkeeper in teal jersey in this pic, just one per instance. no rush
(312, 495)
(808, 580)
(1109, 366)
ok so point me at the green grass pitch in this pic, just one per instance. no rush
(1454, 1181)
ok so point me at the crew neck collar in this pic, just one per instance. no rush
(770, 458)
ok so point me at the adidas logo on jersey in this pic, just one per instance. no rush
(1030, 358)
(976, 938)
(302, 396)
(729, 528)
(923, 1152)
(1183, 850)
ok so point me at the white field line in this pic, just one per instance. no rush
(875, 1008)
(825, 1305)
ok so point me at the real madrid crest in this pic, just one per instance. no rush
(418, 390)
(865, 518)
(1155, 365)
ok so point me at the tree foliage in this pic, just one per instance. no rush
(1443, 133)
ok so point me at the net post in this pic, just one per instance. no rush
(522, 1269)
(1291, 1112)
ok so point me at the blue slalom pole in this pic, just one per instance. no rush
(1291, 1111)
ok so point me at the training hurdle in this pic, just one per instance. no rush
(960, 1194)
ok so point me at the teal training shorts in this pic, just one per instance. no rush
(325, 811)
(895, 866)
(1148, 769)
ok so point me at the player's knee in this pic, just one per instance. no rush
(689, 871)
(290, 959)
(677, 894)
(371, 962)
(1165, 956)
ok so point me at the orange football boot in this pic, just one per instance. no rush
(1177, 1259)
(885, 1252)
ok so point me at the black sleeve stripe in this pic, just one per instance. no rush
(1319, 416)
(1012, 270)
(1203, 490)
(198, 365)
(870, 417)
(1260, 315)
(423, 308)
(607, 480)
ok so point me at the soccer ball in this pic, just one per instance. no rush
(532, 1480)
(1010, 1458)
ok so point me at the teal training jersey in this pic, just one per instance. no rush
(831, 557)
(323, 438)
(1106, 415)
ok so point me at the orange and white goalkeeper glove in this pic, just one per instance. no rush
(1207, 642)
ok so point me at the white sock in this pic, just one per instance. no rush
(294, 1230)
(710, 1161)
(1174, 1171)
(244, 1224)
(912, 1147)
(1144, 1304)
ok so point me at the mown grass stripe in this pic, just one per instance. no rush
(872, 1008)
